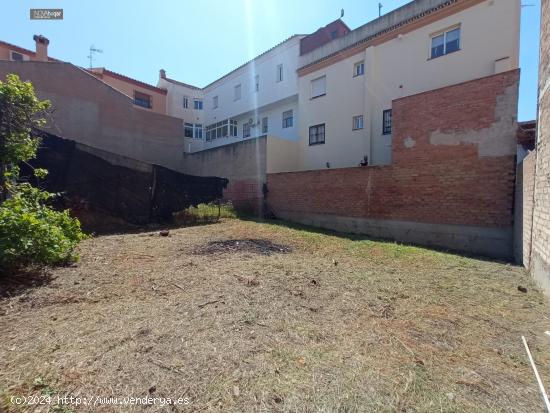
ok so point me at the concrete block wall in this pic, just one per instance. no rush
(243, 164)
(451, 183)
(93, 113)
(540, 252)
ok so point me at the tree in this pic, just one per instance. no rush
(31, 232)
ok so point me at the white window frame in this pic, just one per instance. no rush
(197, 131)
(444, 33)
(215, 102)
(279, 74)
(247, 130)
(237, 92)
(186, 102)
(322, 93)
(188, 127)
(198, 104)
(358, 122)
(265, 124)
(358, 65)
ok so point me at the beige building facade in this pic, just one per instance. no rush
(346, 87)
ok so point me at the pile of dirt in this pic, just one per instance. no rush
(256, 246)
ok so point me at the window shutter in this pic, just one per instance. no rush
(318, 87)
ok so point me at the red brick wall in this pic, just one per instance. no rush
(454, 183)
(323, 36)
(245, 194)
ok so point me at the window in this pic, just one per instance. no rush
(188, 130)
(214, 102)
(386, 122)
(445, 43)
(142, 99)
(359, 69)
(287, 119)
(334, 34)
(197, 104)
(237, 92)
(185, 102)
(319, 87)
(317, 134)
(257, 83)
(279, 73)
(264, 125)
(358, 122)
(198, 131)
(16, 57)
(246, 130)
(222, 129)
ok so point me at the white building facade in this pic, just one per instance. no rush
(347, 86)
(332, 105)
(259, 98)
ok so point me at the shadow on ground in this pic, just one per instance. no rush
(18, 282)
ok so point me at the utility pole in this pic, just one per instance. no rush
(91, 55)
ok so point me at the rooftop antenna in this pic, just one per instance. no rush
(380, 9)
(93, 50)
(341, 13)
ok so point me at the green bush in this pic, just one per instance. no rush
(205, 213)
(32, 233)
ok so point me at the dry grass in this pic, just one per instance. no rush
(336, 325)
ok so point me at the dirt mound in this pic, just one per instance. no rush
(256, 246)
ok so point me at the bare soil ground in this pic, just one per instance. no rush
(247, 317)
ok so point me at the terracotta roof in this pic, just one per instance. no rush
(24, 51)
(101, 71)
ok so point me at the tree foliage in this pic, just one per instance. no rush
(31, 232)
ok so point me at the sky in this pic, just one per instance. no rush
(199, 41)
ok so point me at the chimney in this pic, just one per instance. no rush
(41, 47)
(162, 74)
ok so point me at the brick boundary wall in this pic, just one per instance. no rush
(540, 253)
(523, 214)
(451, 183)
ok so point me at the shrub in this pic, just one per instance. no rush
(205, 213)
(32, 233)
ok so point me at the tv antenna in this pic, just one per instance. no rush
(93, 51)
(380, 9)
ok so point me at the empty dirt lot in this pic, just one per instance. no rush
(247, 317)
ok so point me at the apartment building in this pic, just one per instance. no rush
(332, 90)
(259, 98)
(347, 86)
